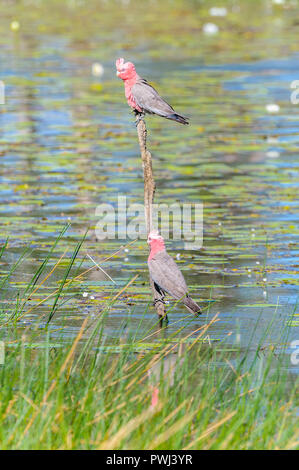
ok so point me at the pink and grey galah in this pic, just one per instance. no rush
(165, 273)
(142, 97)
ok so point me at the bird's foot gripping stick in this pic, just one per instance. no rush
(159, 303)
(139, 117)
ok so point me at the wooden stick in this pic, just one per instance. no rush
(149, 183)
(149, 192)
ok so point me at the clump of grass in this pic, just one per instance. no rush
(180, 395)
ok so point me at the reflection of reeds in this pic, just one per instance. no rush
(147, 392)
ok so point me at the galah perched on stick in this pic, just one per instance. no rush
(166, 275)
(142, 97)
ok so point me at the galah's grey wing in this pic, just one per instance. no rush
(166, 274)
(147, 98)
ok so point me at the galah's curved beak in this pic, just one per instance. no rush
(117, 73)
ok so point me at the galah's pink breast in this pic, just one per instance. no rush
(156, 246)
(130, 98)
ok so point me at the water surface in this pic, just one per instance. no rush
(68, 143)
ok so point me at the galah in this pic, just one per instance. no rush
(165, 273)
(142, 97)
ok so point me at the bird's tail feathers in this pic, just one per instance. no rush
(191, 305)
(176, 117)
